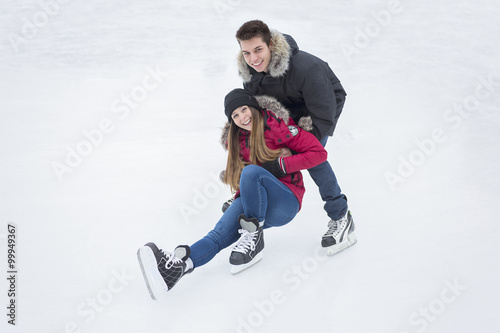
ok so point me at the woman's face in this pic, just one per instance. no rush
(242, 117)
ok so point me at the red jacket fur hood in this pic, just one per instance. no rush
(281, 132)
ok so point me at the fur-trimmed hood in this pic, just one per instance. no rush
(283, 47)
(272, 104)
(304, 83)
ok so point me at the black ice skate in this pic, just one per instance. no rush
(340, 235)
(226, 204)
(162, 270)
(248, 250)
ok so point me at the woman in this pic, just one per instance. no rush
(269, 190)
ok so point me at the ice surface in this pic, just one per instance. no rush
(414, 72)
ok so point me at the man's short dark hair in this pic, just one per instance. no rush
(254, 28)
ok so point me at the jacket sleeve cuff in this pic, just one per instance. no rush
(276, 167)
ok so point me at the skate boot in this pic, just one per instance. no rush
(183, 252)
(226, 204)
(248, 250)
(161, 269)
(340, 235)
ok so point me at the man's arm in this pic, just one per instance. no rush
(319, 98)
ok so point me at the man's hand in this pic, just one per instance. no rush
(285, 152)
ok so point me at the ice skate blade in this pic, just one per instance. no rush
(334, 249)
(235, 269)
(154, 281)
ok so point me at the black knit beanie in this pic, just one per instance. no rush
(236, 98)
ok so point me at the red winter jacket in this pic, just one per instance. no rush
(309, 151)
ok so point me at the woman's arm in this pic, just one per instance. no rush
(309, 151)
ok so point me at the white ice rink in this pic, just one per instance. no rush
(109, 138)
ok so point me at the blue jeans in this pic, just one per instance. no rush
(263, 197)
(329, 189)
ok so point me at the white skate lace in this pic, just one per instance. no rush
(246, 241)
(171, 259)
(335, 227)
(332, 228)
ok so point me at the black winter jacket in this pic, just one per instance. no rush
(302, 82)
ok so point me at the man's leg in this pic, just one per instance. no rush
(340, 234)
(329, 189)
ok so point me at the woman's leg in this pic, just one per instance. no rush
(265, 198)
(224, 234)
(267, 202)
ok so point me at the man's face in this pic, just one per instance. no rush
(256, 53)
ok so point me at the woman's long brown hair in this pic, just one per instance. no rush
(259, 152)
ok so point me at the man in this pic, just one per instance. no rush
(270, 63)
